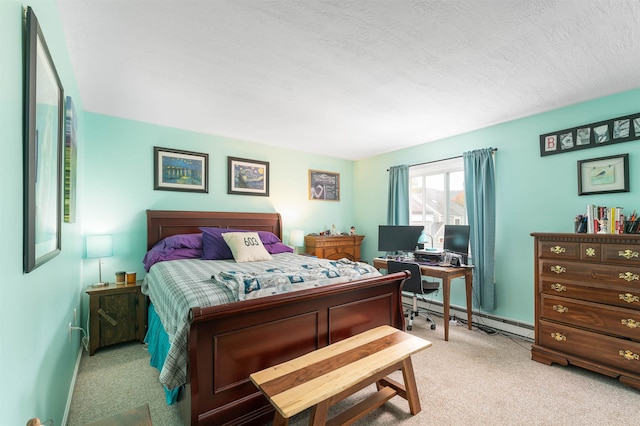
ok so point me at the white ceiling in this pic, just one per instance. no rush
(351, 78)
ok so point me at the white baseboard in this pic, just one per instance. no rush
(500, 324)
(65, 418)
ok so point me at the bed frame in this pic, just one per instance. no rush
(226, 343)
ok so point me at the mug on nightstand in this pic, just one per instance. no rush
(120, 277)
(131, 278)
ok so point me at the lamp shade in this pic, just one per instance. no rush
(296, 238)
(98, 246)
(422, 239)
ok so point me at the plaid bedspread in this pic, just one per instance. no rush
(176, 286)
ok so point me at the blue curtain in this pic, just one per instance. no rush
(480, 190)
(398, 208)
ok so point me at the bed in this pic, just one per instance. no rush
(227, 342)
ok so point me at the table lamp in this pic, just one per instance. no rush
(99, 246)
(422, 239)
(296, 239)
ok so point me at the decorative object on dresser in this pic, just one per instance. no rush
(334, 246)
(117, 313)
(587, 303)
(178, 170)
(98, 246)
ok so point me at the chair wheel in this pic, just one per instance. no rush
(433, 326)
(409, 328)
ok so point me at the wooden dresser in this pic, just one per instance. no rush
(587, 303)
(334, 247)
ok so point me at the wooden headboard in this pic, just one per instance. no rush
(164, 223)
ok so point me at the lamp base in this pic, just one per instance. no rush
(100, 285)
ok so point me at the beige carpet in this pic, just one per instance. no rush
(474, 379)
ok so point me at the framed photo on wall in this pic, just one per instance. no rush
(247, 177)
(178, 170)
(603, 175)
(324, 185)
(44, 114)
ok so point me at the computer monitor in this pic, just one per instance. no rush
(456, 240)
(395, 238)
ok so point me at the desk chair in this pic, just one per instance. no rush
(417, 287)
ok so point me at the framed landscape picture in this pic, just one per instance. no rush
(178, 170)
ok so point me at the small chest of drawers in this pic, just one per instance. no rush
(587, 303)
(334, 247)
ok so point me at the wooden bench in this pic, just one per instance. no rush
(323, 377)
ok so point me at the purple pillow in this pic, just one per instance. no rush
(275, 248)
(158, 254)
(215, 248)
(192, 241)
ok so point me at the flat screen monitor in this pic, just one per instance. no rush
(393, 238)
(456, 239)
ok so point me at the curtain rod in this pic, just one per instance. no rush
(444, 159)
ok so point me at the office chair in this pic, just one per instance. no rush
(417, 287)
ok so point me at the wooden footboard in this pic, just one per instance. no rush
(227, 343)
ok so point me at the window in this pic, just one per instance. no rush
(437, 196)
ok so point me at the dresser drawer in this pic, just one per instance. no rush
(624, 276)
(595, 347)
(607, 294)
(607, 319)
(558, 250)
(622, 254)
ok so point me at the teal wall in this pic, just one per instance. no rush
(534, 194)
(37, 360)
(115, 187)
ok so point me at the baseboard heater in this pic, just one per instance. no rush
(479, 319)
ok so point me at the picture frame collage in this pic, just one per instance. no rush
(608, 132)
(188, 171)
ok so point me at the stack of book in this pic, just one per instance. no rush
(609, 220)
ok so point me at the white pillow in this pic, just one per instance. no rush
(246, 246)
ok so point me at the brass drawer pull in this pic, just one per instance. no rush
(558, 287)
(557, 249)
(558, 269)
(627, 254)
(629, 276)
(590, 252)
(629, 298)
(631, 323)
(561, 309)
(559, 337)
(629, 355)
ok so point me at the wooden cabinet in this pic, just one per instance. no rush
(334, 247)
(117, 313)
(587, 303)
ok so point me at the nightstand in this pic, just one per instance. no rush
(117, 313)
(334, 247)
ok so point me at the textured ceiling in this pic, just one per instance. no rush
(350, 78)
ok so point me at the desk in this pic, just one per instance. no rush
(446, 274)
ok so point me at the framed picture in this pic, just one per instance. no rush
(248, 177)
(177, 170)
(43, 128)
(620, 129)
(603, 175)
(324, 185)
(70, 162)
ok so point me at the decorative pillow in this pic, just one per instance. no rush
(246, 246)
(276, 248)
(215, 248)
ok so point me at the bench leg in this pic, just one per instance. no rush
(319, 413)
(411, 388)
(278, 420)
